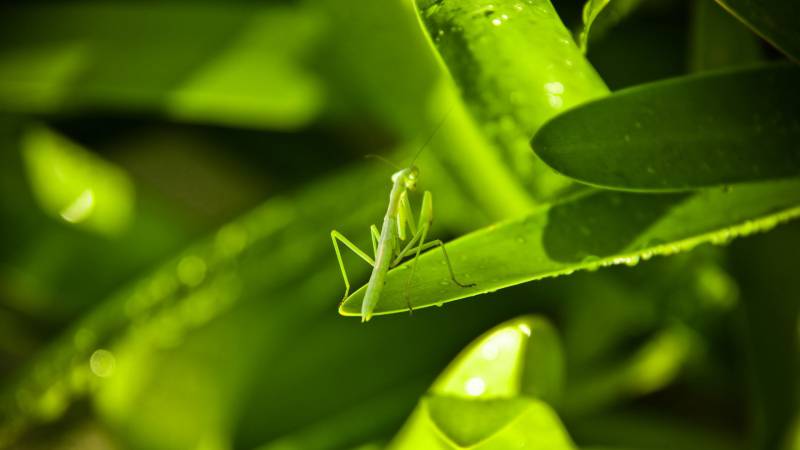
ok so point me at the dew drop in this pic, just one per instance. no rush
(102, 363)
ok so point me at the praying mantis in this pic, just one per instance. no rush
(388, 243)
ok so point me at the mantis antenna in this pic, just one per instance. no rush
(382, 159)
(432, 135)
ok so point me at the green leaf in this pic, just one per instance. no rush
(777, 21)
(74, 185)
(595, 23)
(587, 231)
(467, 422)
(591, 10)
(482, 399)
(229, 65)
(516, 66)
(496, 424)
(522, 356)
(683, 133)
(183, 294)
(447, 423)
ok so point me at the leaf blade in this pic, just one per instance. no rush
(684, 133)
(589, 230)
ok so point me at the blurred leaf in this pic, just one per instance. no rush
(517, 66)
(600, 15)
(50, 269)
(480, 400)
(591, 10)
(72, 184)
(232, 65)
(719, 40)
(777, 21)
(590, 230)
(770, 315)
(697, 131)
(653, 366)
(180, 295)
(642, 429)
(625, 57)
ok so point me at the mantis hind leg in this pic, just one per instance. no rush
(425, 246)
(337, 237)
(449, 266)
(425, 221)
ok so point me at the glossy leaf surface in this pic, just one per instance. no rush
(587, 231)
(516, 65)
(482, 399)
(685, 133)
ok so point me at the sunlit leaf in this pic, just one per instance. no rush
(75, 185)
(685, 133)
(521, 357)
(587, 231)
(480, 401)
(777, 21)
(516, 66)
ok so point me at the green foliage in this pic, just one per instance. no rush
(487, 398)
(774, 20)
(702, 131)
(170, 173)
(587, 231)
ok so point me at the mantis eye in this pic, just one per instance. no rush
(411, 181)
(411, 178)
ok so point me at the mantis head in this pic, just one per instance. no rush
(407, 176)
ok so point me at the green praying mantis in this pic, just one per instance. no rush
(388, 244)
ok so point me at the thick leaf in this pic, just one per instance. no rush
(447, 423)
(587, 231)
(481, 400)
(467, 422)
(520, 357)
(777, 21)
(685, 133)
(516, 66)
